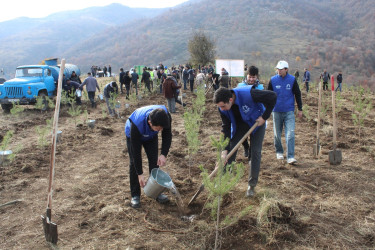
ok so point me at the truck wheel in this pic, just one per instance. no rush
(45, 102)
(6, 107)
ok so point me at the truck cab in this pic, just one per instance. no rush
(30, 82)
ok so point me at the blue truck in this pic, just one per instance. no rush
(32, 81)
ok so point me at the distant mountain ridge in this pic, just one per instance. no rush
(332, 34)
(30, 40)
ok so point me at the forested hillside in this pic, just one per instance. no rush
(333, 34)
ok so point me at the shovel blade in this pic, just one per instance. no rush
(201, 188)
(335, 157)
(317, 150)
(50, 229)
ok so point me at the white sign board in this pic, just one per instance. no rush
(235, 68)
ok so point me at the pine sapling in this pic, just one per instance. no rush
(226, 179)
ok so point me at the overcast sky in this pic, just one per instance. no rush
(11, 9)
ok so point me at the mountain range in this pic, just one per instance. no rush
(316, 34)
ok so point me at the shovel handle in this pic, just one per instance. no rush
(54, 132)
(213, 173)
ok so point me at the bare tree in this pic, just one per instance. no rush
(201, 48)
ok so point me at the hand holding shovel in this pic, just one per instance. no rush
(213, 173)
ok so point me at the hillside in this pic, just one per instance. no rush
(334, 34)
(312, 205)
(30, 40)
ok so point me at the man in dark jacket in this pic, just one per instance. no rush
(146, 79)
(135, 78)
(75, 78)
(122, 79)
(169, 90)
(71, 88)
(163, 76)
(325, 77)
(141, 129)
(339, 81)
(108, 91)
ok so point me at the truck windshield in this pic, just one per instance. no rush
(29, 72)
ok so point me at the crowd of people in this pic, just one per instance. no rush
(240, 107)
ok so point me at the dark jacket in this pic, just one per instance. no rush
(122, 77)
(146, 77)
(170, 87)
(109, 90)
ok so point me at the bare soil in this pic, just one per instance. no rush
(309, 205)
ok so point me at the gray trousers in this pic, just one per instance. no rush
(256, 144)
(111, 109)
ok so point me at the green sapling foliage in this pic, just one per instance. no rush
(42, 132)
(306, 112)
(17, 109)
(362, 107)
(6, 140)
(226, 178)
(74, 111)
(192, 121)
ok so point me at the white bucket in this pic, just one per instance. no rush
(4, 156)
(118, 105)
(78, 93)
(158, 182)
(58, 136)
(100, 96)
(91, 123)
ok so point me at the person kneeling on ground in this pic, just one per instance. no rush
(141, 129)
(240, 109)
(109, 90)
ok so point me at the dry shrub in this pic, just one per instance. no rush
(327, 130)
(272, 218)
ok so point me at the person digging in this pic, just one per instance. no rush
(239, 109)
(141, 129)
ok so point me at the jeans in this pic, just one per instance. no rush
(172, 104)
(191, 85)
(287, 120)
(256, 144)
(151, 149)
(185, 81)
(338, 87)
(111, 109)
(135, 85)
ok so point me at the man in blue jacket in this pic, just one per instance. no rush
(239, 109)
(287, 89)
(306, 79)
(141, 129)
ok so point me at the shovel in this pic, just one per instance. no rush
(50, 228)
(213, 173)
(208, 89)
(317, 148)
(335, 156)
